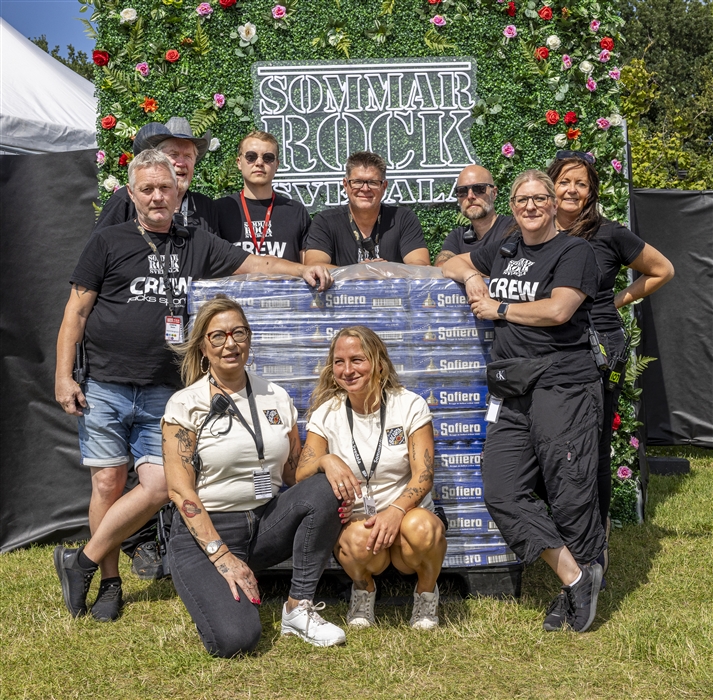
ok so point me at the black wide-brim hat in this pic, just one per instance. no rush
(152, 134)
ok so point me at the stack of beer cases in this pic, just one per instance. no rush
(438, 349)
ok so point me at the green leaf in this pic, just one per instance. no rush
(201, 43)
(387, 7)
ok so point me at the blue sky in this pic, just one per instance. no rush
(57, 19)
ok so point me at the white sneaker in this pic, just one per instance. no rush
(425, 610)
(305, 622)
(361, 608)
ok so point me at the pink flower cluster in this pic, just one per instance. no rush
(438, 20)
(142, 68)
(603, 124)
(508, 150)
(591, 84)
(219, 100)
(604, 56)
(204, 9)
(617, 165)
(594, 25)
(279, 12)
(614, 73)
(624, 473)
(101, 157)
(566, 61)
(510, 31)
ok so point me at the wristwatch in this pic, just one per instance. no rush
(214, 546)
(503, 309)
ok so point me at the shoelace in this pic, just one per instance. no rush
(360, 604)
(312, 610)
(560, 604)
(111, 592)
(425, 608)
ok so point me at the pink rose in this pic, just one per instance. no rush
(101, 157)
(603, 124)
(594, 25)
(438, 20)
(624, 473)
(634, 442)
(604, 56)
(142, 68)
(279, 12)
(616, 165)
(508, 150)
(567, 61)
(510, 31)
(614, 73)
(218, 100)
(591, 84)
(204, 9)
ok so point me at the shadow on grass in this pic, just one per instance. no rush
(155, 590)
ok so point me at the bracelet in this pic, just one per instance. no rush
(393, 505)
(465, 281)
(212, 561)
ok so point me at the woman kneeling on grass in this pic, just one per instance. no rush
(374, 441)
(230, 439)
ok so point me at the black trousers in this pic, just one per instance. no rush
(302, 523)
(550, 434)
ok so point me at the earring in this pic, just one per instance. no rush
(251, 357)
(204, 357)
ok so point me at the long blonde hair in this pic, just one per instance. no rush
(383, 375)
(191, 352)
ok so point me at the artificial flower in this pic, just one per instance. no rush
(435, 2)
(101, 157)
(511, 9)
(591, 84)
(586, 67)
(172, 55)
(566, 61)
(438, 20)
(247, 31)
(604, 56)
(124, 159)
(615, 119)
(204, 9)
(570, 118)
(219, 100)
(108, 122)
(614, 73)
(111, 184)
(128, 16)
(542, 53)
(101, 58)
(279, 11)
(616, 165)
(142, 68)
(634, 442)
(573, 134)
(510, 31)
(552, 117)
(225, 4)
(603, 124)
(607, 43)
(594, 25)
(553, 42)
(214, 144)
(186, 41)
(545, 13)
(149, 105)
(508, 150)
(624, 473)
(616, 423)
(560, 140)
(565, 13)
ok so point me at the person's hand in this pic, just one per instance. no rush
(345, 511)
(345, 485)
(385, 526)
(485, 309)
(373, 260)
(237, 573)
(69, 395)
(317, 276)
(475, 288)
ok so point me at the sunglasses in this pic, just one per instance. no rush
(478, 188)
(267, 158)
(581, 155)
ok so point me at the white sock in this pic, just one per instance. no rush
(576, 581)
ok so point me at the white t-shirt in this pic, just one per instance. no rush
(406, 412)
(226, 479)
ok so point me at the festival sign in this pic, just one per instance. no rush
(416, 114)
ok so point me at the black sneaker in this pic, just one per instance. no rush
(107, 606)
(584, 598)
(559, 612)
(146, 562)
(75, 580)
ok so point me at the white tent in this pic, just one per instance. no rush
(45, 107)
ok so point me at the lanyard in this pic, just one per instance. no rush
(258, 246)
(359, 236)
(168, 290)
(355, 449)
(256, 434)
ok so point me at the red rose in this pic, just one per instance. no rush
(123, 160)
(172, 55)
(511, 10)
(573, 134)
(570, 118)
(552, 117)
(225, 4)
(616, 423)
(108, 122)
(607, 43)
(545, 13)
(101, 58)
(541, 53)
(434, 2)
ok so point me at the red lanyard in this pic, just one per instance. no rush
(258, 246)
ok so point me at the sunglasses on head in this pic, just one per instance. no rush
(267, 158)
(478, 188)
(581, 155)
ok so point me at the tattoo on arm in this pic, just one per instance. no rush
(79, 292)
(308, 455)
(427, 473)
(443, 256)
(185, 448)
(190, 509)
(222, 568)
(413, 492)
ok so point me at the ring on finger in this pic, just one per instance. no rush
(340, 484)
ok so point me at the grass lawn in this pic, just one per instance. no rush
(653, 637)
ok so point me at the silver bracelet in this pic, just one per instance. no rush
(399, 507)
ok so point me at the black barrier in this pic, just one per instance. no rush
(678, 320)
(46, 216)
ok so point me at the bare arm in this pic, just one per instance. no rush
(67, 392)
(442, 257)
(419, 256)
(461, 269)
(555, 311)
(315, 458)
(656, 270)
(178, 447)
(290, 468)
(315, 275)
(318, 257)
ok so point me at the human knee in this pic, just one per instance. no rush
(229, 643)
(421, 530)
(352, 543)
(108, 483)
(153, 481)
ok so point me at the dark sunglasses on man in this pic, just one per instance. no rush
(581, 155)
(477, 188)
(267, 158)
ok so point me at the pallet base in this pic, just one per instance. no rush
(491, 581)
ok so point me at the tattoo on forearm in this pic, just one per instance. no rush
(190, 509)
(443, 256)
(413, 492)
(427, 473)
(308, 455)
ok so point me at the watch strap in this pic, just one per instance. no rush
(503, 309)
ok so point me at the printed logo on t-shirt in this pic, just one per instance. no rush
(396, 436)
(518, 267)
(156, 267)
(273, 417)
(268, 247)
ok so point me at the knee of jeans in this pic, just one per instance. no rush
(231, 642)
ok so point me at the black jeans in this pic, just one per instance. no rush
(549, 434)
(302, 523)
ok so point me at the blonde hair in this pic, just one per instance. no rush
(533, 176)
(260, 136)
(383, 375)
(191, 352)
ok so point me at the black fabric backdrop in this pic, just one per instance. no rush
(677, 321)
(46, 217)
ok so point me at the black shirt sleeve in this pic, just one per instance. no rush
(91, 268)
(320, 236)
(118, 209)
(482, 257)
(627, 244)
(577, 267)
(229, 218)
(452, 241)
(224, 258)
(410, 233)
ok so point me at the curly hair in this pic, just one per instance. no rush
(589, 220)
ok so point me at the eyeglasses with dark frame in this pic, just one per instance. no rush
(580, 155)
(539, 200)
(239, 334)
(359, 184)
(268, 158)
(477, 188)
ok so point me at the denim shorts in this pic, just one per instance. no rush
(119, 418)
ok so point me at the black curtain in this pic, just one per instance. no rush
(46, 216)
(677, 320)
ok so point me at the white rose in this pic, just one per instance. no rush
(214, 145)
(615, 119)
(247, 31)
(586, 67)
(128, 15)
(111, 183)
(561, 140)
(553, 42)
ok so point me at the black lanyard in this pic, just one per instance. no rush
(256, 434)
(359, 236)
(355, 449)
(168, 290)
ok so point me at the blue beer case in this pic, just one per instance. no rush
(469, 552)
(457, 486)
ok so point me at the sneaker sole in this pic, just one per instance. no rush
(423, 625)
(289, 632)
(551, 628)
(596, 587)
(360, 623)
(58, 557)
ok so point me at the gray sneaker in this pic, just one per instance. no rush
(305, 622)
(361, 608)
(425, 610)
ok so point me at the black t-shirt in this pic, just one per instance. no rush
(286, 233)
(455, 243)
(614, 245)
(119, 208)
(125, 330)
(531, 274)
(397, 234)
